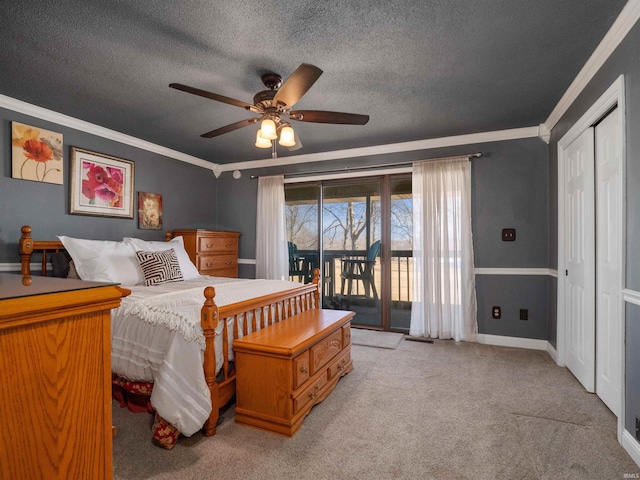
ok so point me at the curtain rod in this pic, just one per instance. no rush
(381, 166)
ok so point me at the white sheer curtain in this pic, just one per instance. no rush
(272, 254)
(444, 292)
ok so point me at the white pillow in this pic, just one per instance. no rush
(189, 270)
(104, 260)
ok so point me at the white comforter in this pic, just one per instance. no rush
(156, 337)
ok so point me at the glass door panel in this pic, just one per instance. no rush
(301, 212)
(401, 221)
(351, 235)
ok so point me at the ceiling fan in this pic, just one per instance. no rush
(274, 107)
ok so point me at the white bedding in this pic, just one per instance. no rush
(156, 337)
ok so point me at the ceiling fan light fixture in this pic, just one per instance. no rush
(287, 137)
(268, 129)
(262, 142)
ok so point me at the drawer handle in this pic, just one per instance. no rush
(341, 365)
(210, 264)
(227, 263)
(209, 245)
(312, 395)
(303, 369)
(317, 387)
(228, 245)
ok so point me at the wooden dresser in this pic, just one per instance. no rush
(55, 373)
(213, 253)
(285, 369)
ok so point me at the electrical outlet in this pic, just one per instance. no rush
(637, 428)
(524, 314)
(496, 312)
(508, 234)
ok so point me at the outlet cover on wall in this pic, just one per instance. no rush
(508, 234)
(524, 314)
(496, 312)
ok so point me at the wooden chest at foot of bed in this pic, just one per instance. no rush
(283, 370)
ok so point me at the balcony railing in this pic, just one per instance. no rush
(401, 272)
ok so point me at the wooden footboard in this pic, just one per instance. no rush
(266, 310)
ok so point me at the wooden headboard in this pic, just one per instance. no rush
(27, 246)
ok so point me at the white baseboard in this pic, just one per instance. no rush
(517, 342)
(553, 353)
(631, 445)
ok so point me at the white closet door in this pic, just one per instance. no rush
(609, 214)
(580, 259)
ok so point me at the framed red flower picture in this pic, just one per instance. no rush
(101, 185)
(36, 154)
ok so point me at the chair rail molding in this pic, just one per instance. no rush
(631, 296)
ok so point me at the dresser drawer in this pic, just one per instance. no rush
(223, 272)
(217, 244)
(216, 262)
(309, 393)
(300, 370)
(325, 350)
(346, 335)
(338, 367)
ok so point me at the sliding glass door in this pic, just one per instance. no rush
(351, 241)
(359, 233)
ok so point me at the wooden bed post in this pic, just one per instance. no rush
(209, 322)
(25, 249)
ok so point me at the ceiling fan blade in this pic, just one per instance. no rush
(211, 96)
(230, 128)
(320, 116)
(297, 85)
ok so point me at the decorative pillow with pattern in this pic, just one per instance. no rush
(159, 267)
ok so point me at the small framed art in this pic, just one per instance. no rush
(149, 211)
(101, 185)
(36, 154)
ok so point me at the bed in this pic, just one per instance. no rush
(187, 329)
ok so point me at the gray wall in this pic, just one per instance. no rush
(188, 193)
(510, 190)
(625, 60)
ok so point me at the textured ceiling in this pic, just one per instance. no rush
(419, 68)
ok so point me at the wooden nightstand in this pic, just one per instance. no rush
(55, 369)
(213, 252)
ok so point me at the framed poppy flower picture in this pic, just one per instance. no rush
(36, 154)
(101, 185)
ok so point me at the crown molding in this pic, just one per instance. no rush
(618, 31)
(77, 124)
(83, 126)
(544, 133)
(453, 141)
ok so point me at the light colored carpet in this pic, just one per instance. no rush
(422, 411)
(374, 338)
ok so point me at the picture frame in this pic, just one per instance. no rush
(36, 154)
(101, 185)
(149, 211)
